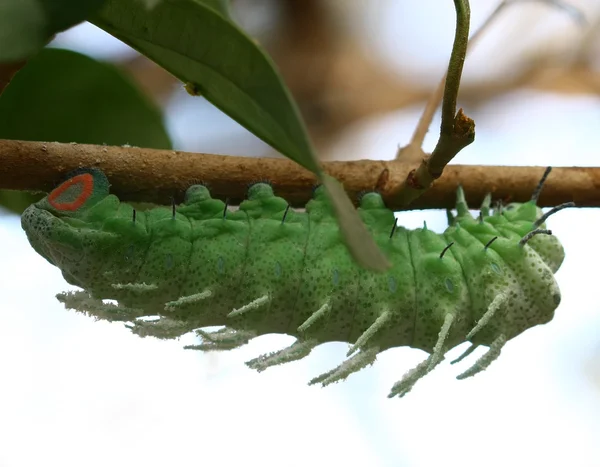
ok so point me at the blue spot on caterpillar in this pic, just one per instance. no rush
(266, 268)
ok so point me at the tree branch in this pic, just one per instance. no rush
(150, 175)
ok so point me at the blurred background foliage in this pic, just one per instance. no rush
(65, 96)
(347, 61)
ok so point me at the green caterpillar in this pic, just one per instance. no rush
(266, 268)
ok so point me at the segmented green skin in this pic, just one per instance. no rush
(278, 267)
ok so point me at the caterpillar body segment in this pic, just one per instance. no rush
(266, 268)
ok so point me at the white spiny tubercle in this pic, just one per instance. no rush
(497, 302)
(223, 339)
(296, 351)
(189, 299)
(486, 359)
(381, 320)
(253, 305)
(465, 354)
(315, 316)
(82, 302)
(226, 335)
(208, 347)
(438, 349)
(352, 365)
(403, 387)
(164, 328)
(143, 287)
(78, 300)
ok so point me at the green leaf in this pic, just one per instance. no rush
(215, 58)
(68, 97)
(209, 53)
(27, 25)
(356, 235)
(64, 96)
(218, 5)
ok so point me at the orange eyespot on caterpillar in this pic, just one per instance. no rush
(266, 268)
(77, 189)
(72, 194)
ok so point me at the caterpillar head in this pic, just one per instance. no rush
(54, 224)
(512, 232)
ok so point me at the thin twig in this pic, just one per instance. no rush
(457, 130)
(413, 152)
(457, 61)
(434, 100)
(150, 175)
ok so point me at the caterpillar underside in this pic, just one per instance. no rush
(266, 268)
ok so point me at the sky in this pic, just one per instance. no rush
(79, 392)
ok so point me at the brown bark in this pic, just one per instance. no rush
(150, 175)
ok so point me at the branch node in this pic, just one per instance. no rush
(412, 180)
(382, 180)
(464, 127)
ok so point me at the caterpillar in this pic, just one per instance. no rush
(266, 268)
